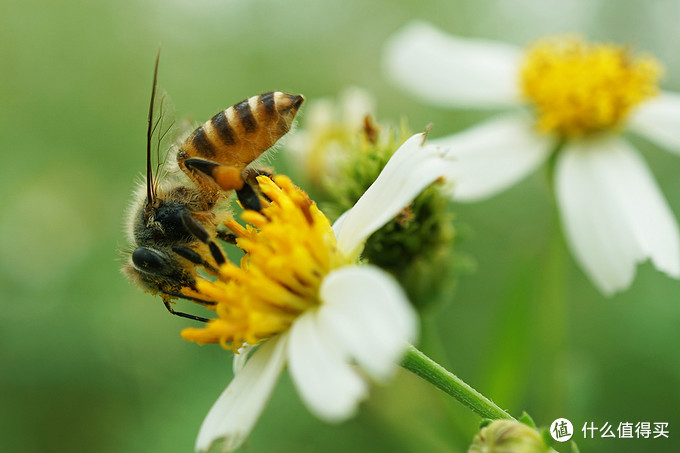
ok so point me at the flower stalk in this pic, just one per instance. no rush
(421, 365)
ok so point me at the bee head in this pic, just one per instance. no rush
(156, 269)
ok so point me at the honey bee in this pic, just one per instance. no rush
(172, 225)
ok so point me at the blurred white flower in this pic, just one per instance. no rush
(300, 294)
(575, 94)
(329, 127)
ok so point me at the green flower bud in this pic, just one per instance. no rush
(508, 436)
(347, 153)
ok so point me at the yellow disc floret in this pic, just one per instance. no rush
(289, 248)
(577, 87)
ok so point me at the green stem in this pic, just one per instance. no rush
(429, 370)
(551, 318)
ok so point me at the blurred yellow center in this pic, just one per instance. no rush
(577, 87)
(289, 248)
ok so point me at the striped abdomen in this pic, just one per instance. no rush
(238, 135)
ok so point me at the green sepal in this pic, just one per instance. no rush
(527, 420)
(484, 423)
(574, 447)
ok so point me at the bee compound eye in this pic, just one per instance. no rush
(149, 261)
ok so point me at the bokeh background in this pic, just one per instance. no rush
(90, 363)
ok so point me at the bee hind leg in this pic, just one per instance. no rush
(226, 177)
(250, 195)
(252, 173)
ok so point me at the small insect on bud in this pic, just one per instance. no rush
(508, 436)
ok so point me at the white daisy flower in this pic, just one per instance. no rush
(301, 295)
(568, 92)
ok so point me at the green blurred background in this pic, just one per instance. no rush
(90, 363)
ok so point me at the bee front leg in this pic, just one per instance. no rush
(197, 230)
(205, 303)
(167, 297)
(193, 256)
(181, 314)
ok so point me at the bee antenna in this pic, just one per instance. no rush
(150, 192)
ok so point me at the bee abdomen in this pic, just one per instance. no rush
(238, 135)
(222, 129)
(245, 115)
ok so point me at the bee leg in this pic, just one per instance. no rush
(167, 296)
(183, 315)
(249, 198)
(195, 228)
(193, 256)
(207, 167)
(217, 253)
(229, 238)
(250, 177)
(227, 177)
(206, 303)
(255, 172)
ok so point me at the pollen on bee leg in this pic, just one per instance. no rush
(228, 178)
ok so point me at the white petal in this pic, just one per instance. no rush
(494, 155)
(241, 358)
(659, 120)
(320, 114)
(370, 315)
(355, 104)
(235, 412)
(451, 71)
(411, 169)
(614, 213)
(326, 382)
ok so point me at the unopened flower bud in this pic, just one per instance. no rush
(508, 436)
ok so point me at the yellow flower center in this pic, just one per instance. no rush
(289, 248)
(577, 87)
